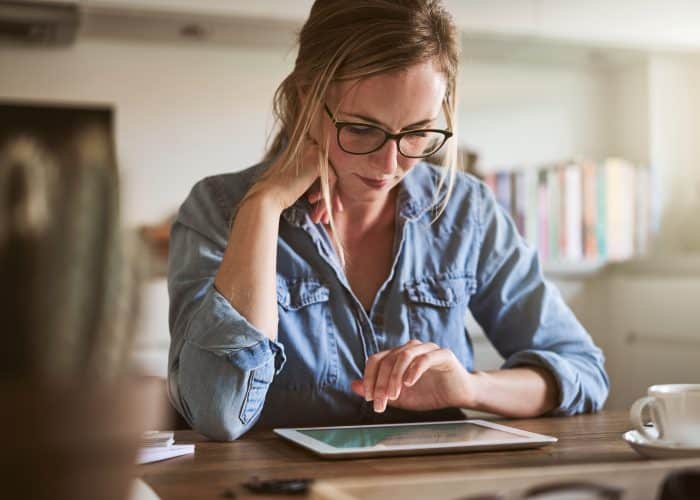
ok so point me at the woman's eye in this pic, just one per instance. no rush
(360, 130)
(419, 134)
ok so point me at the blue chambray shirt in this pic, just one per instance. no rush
(225, 375)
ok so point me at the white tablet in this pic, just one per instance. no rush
(412, 439)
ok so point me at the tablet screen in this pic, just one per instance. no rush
(409, 435)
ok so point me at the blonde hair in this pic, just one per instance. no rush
(344, 40)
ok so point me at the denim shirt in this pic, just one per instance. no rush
(225, 375)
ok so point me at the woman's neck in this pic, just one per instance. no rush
(360, 217)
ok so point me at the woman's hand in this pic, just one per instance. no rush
(315, 197)
(285, 187)
(416, 376)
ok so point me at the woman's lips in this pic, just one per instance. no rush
(374, 183)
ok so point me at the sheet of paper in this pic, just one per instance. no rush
(157, 453)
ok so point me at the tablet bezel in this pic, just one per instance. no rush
(528, 440)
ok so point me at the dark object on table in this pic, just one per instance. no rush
(681, 485)
(279, 486)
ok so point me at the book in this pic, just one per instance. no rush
(589, 209)
(543, 214)
(503, 190)
(601, 213)
(160, 445)
(157, 453)
(519, 200)
(531, 209)
(620, 199)
(490, 180)
(573, 212)
(554, 212)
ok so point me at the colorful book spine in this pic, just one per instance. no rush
(543, 214)
(519, 200)
(620, 202)
(503, 190)
(554, 212)
(589, 194)
(531, 206)
(573, 212)
(601, 229)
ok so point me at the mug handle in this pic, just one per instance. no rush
(636, 417)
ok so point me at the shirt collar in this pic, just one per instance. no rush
(417, 191)
(416, 196)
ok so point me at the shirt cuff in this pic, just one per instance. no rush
(568, 380)
(219, 328)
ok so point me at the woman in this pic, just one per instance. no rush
(329, 284)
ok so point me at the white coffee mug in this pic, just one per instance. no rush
(675, 411)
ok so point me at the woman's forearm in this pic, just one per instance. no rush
(527, 391)
(247, 274)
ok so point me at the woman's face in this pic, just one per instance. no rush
(403, 100)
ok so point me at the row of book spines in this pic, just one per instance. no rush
(578, 211)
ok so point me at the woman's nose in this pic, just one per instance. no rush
(387, 158)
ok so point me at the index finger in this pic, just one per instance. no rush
(371, 366)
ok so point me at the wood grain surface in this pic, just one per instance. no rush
(217, 467)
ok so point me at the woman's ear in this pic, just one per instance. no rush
(316, 128)
(302, 95)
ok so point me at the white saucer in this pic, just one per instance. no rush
(658, 449)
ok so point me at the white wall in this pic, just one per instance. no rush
(675, 148)
(182, 111)
(629, 113)
(516, 114)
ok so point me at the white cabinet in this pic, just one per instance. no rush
(653, 333)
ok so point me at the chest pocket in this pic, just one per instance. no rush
(437, 309)
(307, 335)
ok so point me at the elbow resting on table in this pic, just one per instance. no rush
(217, 398)
(214, 420)
(590, 386)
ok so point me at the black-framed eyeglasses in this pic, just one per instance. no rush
(363, 139)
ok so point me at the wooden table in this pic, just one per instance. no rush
(585, 441)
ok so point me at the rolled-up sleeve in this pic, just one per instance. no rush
(526, 319)
(220, 365)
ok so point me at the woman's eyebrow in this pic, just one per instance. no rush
(377, 122)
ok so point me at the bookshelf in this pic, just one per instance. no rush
(530, 105)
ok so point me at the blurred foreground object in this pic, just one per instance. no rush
(69, 303)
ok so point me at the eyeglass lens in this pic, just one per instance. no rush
(365, 139)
